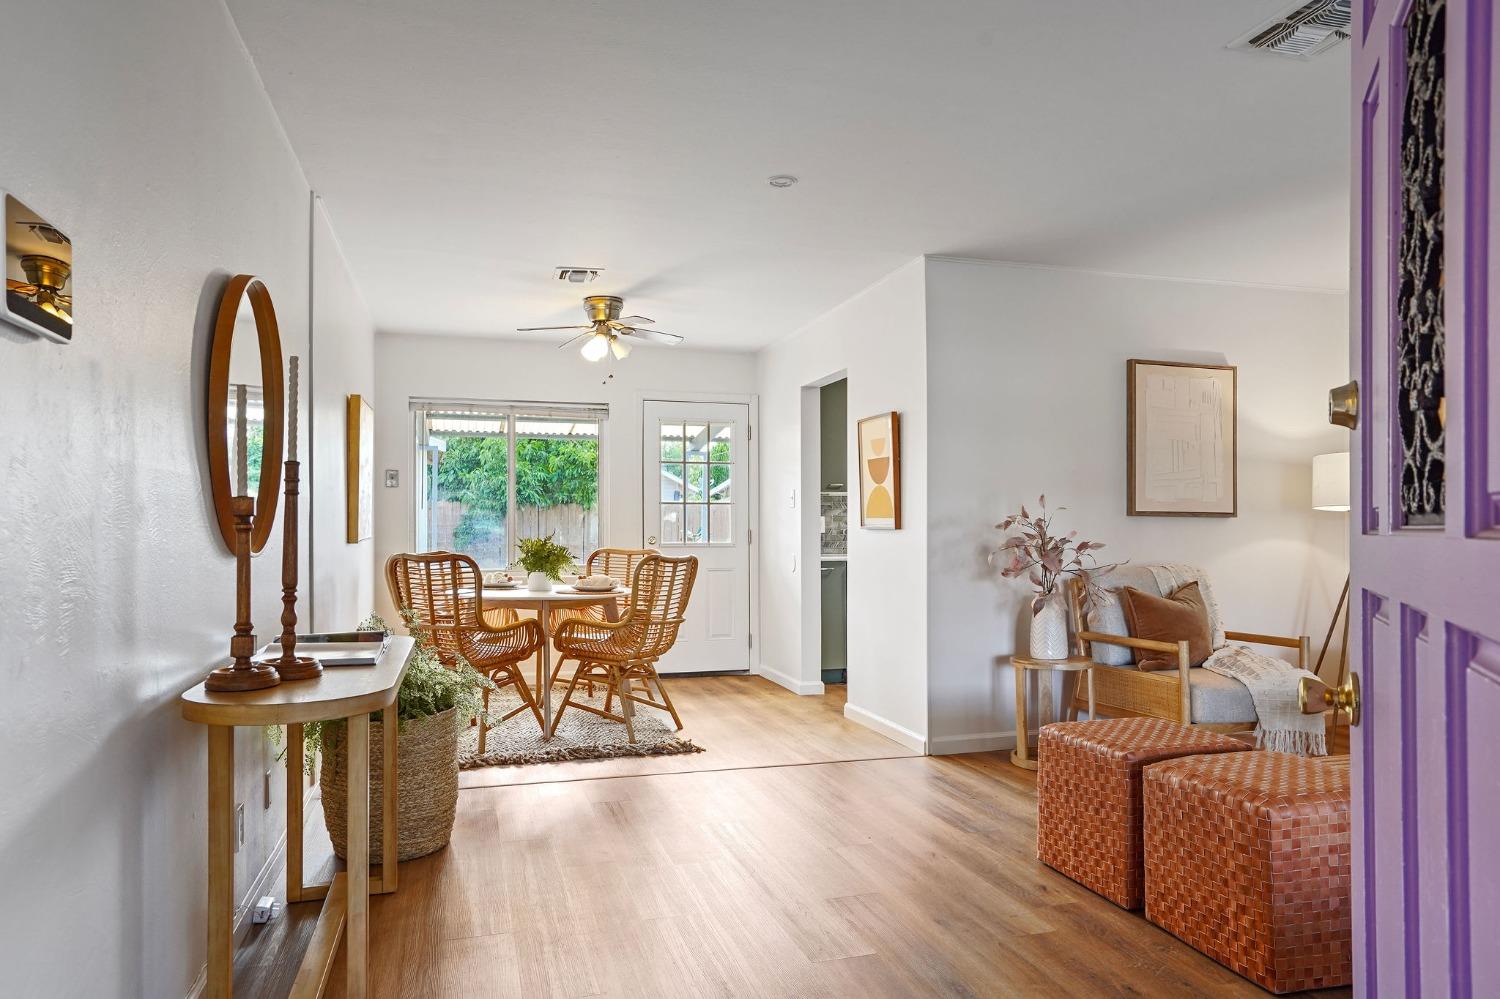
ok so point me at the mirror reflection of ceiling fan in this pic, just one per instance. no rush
(606, 333)
(45, 279)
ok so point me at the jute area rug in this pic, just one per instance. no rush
(581, 736)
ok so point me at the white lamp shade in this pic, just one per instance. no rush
(1330, 482)
(595, 347)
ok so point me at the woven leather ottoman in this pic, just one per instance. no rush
(1247, 860)
(1089, 796)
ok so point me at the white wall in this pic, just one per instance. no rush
(1026, 375)
(877, 339)
(445, 367)
(170, 172)
(343, 348)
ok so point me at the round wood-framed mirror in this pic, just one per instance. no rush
(246, 403)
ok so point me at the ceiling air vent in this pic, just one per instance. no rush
(1301, 32)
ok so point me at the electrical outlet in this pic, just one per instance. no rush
(267, 909)
(239, 826)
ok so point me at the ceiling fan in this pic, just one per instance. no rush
(606, 333)
(45, 279)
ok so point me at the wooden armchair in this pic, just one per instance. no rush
(444, 591)
(618, 563)
(1189, 696)
(617, 653)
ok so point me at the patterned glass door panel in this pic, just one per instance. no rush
(1424, 555)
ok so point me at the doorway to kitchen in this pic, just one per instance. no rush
(833, 533)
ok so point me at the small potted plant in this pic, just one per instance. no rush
(544, 561)
(1046, 560)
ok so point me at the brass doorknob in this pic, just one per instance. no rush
(1343, 406)
(651, 540)
(1314, 697)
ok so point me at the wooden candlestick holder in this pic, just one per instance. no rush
(291, 666)
(242, 674)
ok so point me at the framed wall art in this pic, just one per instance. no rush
(879, 439)
(38, 273)
(360, 456)
(1181, 440)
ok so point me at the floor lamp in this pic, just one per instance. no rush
(1330, 492)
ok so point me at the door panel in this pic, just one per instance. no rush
(1424, 556)
(696, 461)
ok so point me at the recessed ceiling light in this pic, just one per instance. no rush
(577, 275)
(782, 180)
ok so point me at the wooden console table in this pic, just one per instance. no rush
(348, 692)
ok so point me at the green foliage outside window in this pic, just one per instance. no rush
(549, 473)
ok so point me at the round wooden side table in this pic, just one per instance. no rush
(1021, 756)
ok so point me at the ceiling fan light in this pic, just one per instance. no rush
(595, 347)
(620, 347)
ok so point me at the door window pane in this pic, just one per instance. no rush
(695, 531)
(720, 488)
(697, 442)
(671, 482)
(671, 525)
(696, 478)
(721, 525)
(721, 442)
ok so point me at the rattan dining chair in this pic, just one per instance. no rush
(617, 563)
(443, 592)
(620, 652)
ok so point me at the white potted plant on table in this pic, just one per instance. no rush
(544, 561)
(1047, 559)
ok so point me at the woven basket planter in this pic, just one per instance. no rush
(427, 786)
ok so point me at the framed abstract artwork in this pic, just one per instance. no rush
(360, 471)
(1181, 440)
(879, 439)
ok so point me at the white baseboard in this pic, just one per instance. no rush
(263, 884)
(972, 742)
(896, 733)
(200, 984)
(796, 686)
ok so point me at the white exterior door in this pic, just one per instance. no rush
(697, 502)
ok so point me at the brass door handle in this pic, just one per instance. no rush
(1343, 406)
(1314, 697)
(651, 540)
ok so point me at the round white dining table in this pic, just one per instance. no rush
(562, 598)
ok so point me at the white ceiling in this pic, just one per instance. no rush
(466, 147)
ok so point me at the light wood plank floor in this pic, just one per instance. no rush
(742, 721)
(898, 876)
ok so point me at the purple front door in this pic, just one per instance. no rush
(1425, 549)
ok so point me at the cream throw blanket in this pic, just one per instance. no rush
(1281, 726)
(1273, 683)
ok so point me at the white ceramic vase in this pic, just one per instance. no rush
(539, 582)
(1049, 630)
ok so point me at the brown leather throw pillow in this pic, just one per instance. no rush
(1183, 615)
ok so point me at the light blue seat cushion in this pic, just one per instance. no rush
(1219, 699)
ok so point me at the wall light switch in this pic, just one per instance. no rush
(392, 478)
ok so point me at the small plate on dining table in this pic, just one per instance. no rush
(595, 590)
